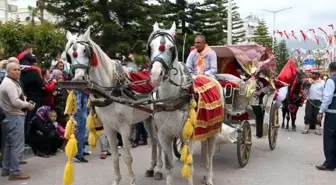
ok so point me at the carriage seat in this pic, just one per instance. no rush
(141, 87)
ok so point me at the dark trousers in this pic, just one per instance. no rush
(140, 133)
(329, 140)
(311, 111)
(29, 117)
(46, 144)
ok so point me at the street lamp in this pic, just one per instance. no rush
(274, 12)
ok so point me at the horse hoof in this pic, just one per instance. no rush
(158, 176)
(149, 173)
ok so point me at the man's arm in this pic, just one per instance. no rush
(328, 95)
(37, 79)
(213, 64)
(190, 63)
(14, 97)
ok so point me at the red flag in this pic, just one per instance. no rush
(286, 34)
(330, 38)
(305, 37)
(287, 72)
(323, 31)
(298, 50)
(317, 39)
(293, 34)
(309, 52)
(312, 30)
(332, 26)
(280, 33)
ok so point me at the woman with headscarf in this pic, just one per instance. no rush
(59, 98)
(43, 136)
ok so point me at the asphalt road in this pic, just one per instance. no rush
(291, 163)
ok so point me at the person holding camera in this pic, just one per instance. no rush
(14, 106)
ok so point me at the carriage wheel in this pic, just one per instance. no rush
(273, 128)
(177, 147)
(244, 143)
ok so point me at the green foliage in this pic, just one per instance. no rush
(281, 55)
(261, 35)
(46, 40)
(33, 13)
(140, 60)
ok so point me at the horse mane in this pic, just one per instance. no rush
(106, 62)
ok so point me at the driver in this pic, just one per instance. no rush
(202, 60)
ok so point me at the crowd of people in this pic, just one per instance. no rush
(32, 113)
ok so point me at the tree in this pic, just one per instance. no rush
(261, 35)
(71, 14)
(45, 38)
(33, 13)
(40, 4)
(281, 55)
(209, 22)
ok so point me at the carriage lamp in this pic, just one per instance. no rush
(75, 54)
(162, 47)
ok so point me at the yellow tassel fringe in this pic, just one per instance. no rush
(91, 124)
(71, 147)
(188, 131)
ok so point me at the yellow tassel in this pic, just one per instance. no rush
(186, 171)
(71, 147)
(89, 104)
(68, 175)
(188, 129)
(70, 152)
(184, 153)
(92, 140)
(192, 116)
(189, 160)
(71, 104)
(90, 122)
(193, 103)
(69, 129)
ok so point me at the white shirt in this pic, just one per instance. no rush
(316, 91)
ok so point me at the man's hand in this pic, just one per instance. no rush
(55, 93)
(30, 107)
(319, 117)
(54, 80)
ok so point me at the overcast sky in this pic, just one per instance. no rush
(305, 14)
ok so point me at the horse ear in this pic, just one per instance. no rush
(173, 29)
(86, 35)
(68, 35)
(156, 26)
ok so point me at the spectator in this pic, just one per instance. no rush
(80, 116)
(13, 59)
(140, 136)
(48, 90)
(31, 80)
(13, 103)
(44, 137)
(60, 96)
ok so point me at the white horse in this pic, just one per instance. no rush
(170, 76)
(89, 61)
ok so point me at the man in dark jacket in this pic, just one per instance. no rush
(31, 80)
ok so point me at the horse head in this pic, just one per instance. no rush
(162, 52)
(80, 54)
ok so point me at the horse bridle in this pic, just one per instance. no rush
(88, 51)
(168, 65)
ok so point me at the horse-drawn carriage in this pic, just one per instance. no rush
(246, 99)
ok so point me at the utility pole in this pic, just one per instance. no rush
(229, 23)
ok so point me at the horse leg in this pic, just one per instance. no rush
(288, 118)
(112, 136)
(211, 142)
(149, 126)
(125, 134)
(158, 174)
(166, 144)
(284, 112)
(293, 115)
